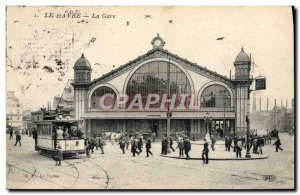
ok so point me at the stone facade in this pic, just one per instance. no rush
(199, 78)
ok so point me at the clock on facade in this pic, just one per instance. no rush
(158, 42)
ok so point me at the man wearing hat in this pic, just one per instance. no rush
(18, 138)
(187, 147)
(205, 152)
(239, 147)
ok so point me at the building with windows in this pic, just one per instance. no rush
(280, 118)
(66, 100)
(13, 110)
(189, 92)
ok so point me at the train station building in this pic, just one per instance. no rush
(138, 95)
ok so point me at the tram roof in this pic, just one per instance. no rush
(61, 121)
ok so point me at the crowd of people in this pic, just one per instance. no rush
(137, 141)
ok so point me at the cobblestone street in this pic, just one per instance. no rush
(27, 169)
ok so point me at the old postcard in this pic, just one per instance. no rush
(148, 98)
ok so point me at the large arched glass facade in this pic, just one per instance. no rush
(215, 96)
(152, 78)
(109, 101)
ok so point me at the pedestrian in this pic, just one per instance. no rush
(58, 154)
(278, 144)
(213, 142)
(87, 147)
(226, 143)
(235, 140)
(127, 142)
(164, 146)
(11, 133)
(97, 143)
(122, 145)
(148, 147)
(34, 136)
(254, 144)
(140, 144)
(205, 152)
(171, 144)
(239, 147)
(93, 143)
(134, 147)
(180, 146)
(187, 147)
(244, 140)
(260, 143)
(102, 144)
(229, 142)
(18, 138)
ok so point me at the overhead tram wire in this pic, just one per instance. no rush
(62, 94)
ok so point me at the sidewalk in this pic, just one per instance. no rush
(218, 154)
(200, 142)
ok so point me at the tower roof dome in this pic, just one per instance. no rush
(242, 57)
(82, 62)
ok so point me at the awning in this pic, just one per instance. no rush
(157, 115)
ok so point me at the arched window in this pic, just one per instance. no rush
(76, 77)
(88, 76)
(152, 78)
(215, 96)
(83, 77)
(80, 77)
(108, 101)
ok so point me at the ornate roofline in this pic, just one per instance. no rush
(158, 52)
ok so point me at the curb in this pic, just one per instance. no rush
(219, 144)
(256, 158)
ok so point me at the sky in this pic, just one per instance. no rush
(41, 49)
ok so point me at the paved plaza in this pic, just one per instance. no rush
(26, 169)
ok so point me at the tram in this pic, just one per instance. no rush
(66, 132)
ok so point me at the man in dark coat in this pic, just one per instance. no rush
(205, 152)
(187, 147)
(235, 141)
(34, 136)
(213, 141)
(148, 146)
(102, 144)
(122, 145)
(278, 144)
(134, 146)
(228, 145)
(87, 144)
(18, 138)
(164, 146)
(93, 143)
(127, 142)
(171, 144)
(140, 144)
(11, 133)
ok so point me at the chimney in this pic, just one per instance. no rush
(267, 103)
(275, 105)
(286, 103)
(281, 103)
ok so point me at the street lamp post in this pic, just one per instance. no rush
(168, 111)
(207, 120)
(224, 119)
(248, 112)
